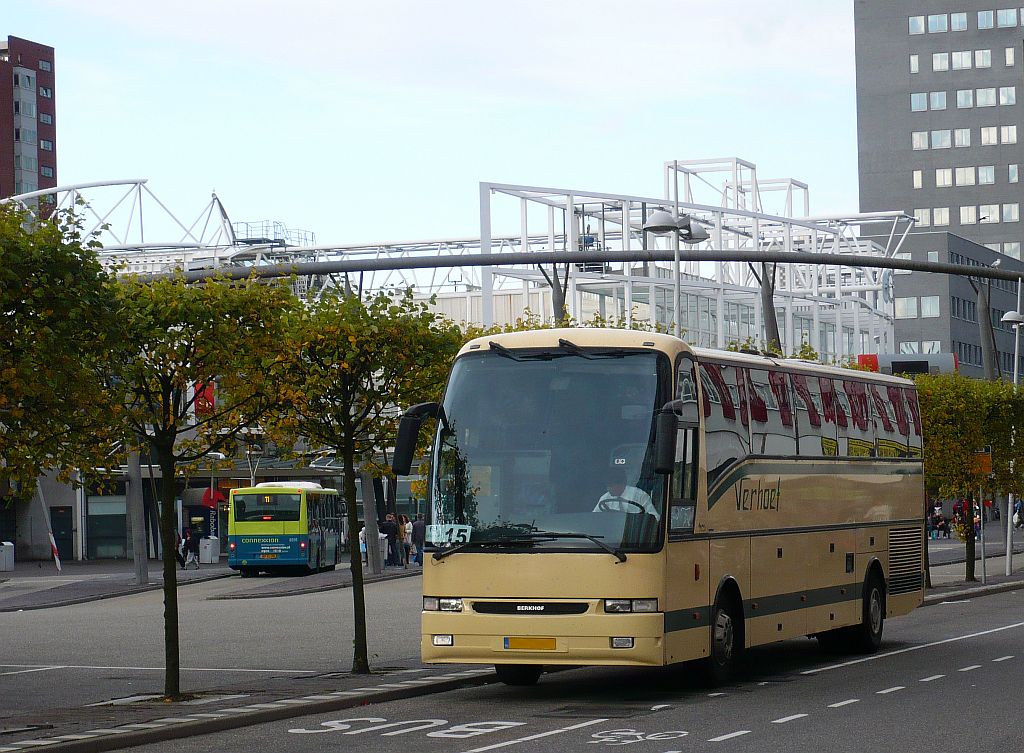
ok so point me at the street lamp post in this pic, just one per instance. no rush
(1014, 318)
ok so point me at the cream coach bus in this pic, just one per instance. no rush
(618, 498)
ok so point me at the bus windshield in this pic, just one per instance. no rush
(544, 442)
(251, 508)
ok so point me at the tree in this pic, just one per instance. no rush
(355, 363)
(57, 323)
(179, 338)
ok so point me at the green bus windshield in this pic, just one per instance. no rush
(252, 508)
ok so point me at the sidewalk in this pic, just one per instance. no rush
(38, 585)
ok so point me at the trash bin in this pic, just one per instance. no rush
(209, 551)
(383, 539)
(6, 557)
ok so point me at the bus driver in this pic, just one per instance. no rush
(623, 498)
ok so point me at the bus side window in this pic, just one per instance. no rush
(725, 427)
(684, 482)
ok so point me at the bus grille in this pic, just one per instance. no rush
(530, 608)
(906, 572)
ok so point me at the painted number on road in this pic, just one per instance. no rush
(377, 724)
(630, 736)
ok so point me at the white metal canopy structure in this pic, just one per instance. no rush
(838, 310)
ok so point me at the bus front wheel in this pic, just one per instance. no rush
(726, 643)
(518, 674)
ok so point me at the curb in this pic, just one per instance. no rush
(219, 720)
(931, 600)
(131, 591)
(315, 589)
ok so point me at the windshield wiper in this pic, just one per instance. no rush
(501, 350)
(593, 355)
(441, 554)
(617, 554)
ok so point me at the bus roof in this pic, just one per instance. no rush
(586, 337)
(305, 485)
(798, 365)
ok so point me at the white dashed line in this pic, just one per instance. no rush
(893, 689)
(968, 669)
(25, 671)
(785, 719)
(715, 695)
(1003, 658)
(933, 677)
(730, 736)
(537, 736)
(844, 703)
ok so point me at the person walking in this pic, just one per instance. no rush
(179, 549)
(390, 529)
(405, 539)
(419, 537)
(191, 546)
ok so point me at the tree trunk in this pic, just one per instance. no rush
(137, 516)
(989, 360)
(168, 525)
(360, 656)
(969, 548)
(773, 341)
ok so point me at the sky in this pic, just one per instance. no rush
(369, 122)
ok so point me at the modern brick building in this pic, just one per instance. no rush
(28, 120)
(940, 136)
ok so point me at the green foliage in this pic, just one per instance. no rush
(57, 323)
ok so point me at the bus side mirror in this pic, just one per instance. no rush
(408, 433)
(686, 410)
(666, 427)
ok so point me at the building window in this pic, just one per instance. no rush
(983, 58)
(1007, 95)
(28, 109)
(46, 91)
(915, 66)
(25, 135)
(1008, 134)
(938, 23)
(938, 100)
(968, 215)
(958, 21)
(1006, 17)
(964, 98)
(906, 308)
(46, 171)
(965, 176)
(933, 256)
(986, 20)
(962, 137)
(1009, 57)
(929, 306)
(44, 65)
(919, 140)
(46, 145)
(943, 177)
(917, 178)
(988, 214)
(1011, 173)
(24, 162)
(931, 346)
(917, 24)
(906, 348)
(923, 217)
(45, 117)
(941, 139)
(1012, 248)
(986, 175)
(940, 61)
(918, 101)
(961, 60)
(940, 216)
(1011, 212)
(989, 135)
(986, 97)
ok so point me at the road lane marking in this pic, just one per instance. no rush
(933, 677)
(785, 719)
(730, 736)
(968, 669)
(1003, 658)
(34, 669)
(844, 703)
(161, 669)
(591, 723)
(715, 695)
(893, 689)
(912, 648)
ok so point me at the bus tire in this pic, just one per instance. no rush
(246, 572)
(867, 636)
(518, 674)
(726, 642)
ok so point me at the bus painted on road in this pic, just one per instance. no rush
(284, 526)
(610, 497)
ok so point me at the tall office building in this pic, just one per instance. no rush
(938, 123)
(28, 127)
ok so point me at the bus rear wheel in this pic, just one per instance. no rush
(867, 636)
(518, 674)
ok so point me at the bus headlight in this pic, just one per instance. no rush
(630, 605)
(441, 604)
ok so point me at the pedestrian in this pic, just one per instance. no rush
(362, 543)
(405, 539)
(179, 549)
(419, 537)
(390, 529)
(191, 546)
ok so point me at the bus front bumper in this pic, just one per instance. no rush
(577, 639)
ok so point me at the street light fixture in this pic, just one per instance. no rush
(1015, 319)
(683, 228)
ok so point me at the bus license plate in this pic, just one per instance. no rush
(268, 556)
(530, 644)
